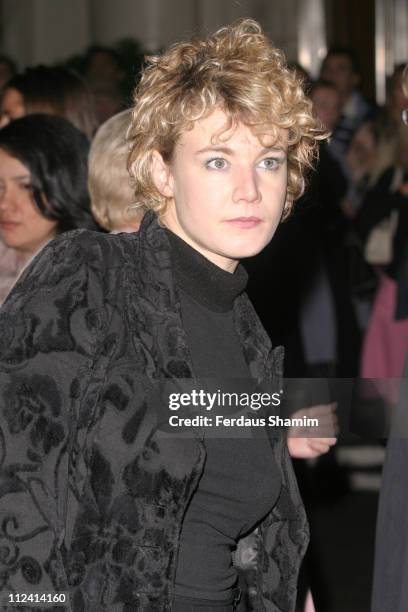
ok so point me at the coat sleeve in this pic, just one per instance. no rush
(50, 330)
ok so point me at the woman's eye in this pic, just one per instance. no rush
(270, 163)
(218, 163)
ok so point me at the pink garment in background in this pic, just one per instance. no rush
(386, 341)
(309, 605)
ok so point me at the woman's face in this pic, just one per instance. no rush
(398, 100)
(12, 106)
(326, 105)
(22, 226)
(227, 193)
(362, 153)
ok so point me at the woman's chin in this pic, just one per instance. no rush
(249, 248)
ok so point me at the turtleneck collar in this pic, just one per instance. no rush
(208, 284)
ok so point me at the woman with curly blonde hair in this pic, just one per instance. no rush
(236, 72)
(110, 504)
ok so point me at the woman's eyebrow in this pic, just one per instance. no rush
(274, 149)
(228, 151)
(217, 149)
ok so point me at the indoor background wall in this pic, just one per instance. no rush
(48, 31)
(35, 31)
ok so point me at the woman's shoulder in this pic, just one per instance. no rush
(77, 259)
(108, 250)
(86, 252)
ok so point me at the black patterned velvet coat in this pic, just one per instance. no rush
(92, 495)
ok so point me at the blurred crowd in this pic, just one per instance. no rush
(337, 299)
(332, 286)
(329, 287)
(49, 117)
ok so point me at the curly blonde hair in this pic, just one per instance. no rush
(112, 199)
(237, 70)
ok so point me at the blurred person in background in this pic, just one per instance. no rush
(43, 89)
(7, 70)
(373, 147)
(386, 340)
(104, 64)
(106, 75)
(328, 327)
(326, 103)
(54, 91)
(300, 262)
(341, 67)
(43, 187)
(108, 100)
(390, 586)
(359, 165)
(8, 260)
(298, 287)
(112, 197)
(397, 95)
(309, 246)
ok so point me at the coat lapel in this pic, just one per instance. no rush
(264, 363)
(158, 305)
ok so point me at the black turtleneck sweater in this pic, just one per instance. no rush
(240, 482)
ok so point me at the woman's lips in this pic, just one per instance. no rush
(244, 222)
(8, 224)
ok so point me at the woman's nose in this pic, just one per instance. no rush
(246, 187)
(5, 200)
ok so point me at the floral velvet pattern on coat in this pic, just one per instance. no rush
(92, 494)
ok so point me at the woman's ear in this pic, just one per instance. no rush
(161, 174)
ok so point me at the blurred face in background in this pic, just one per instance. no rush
(107, 99)
(326, 105)
(398, 98)
(338, 69)
(103, 68)
(402, 148)
(12, 106)
(22, 226)
(362, 152)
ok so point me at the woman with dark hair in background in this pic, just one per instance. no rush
(42, 89)
(43, 186)
(55, 91)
